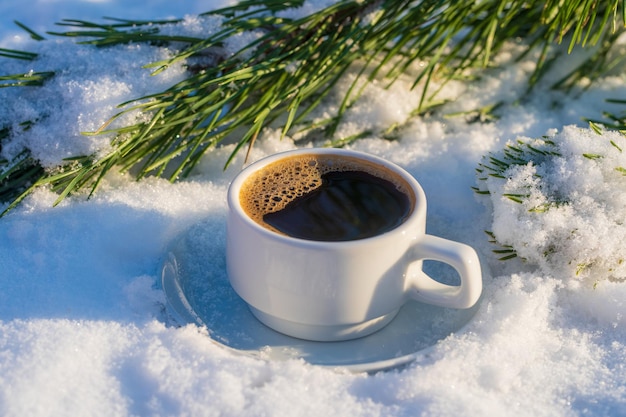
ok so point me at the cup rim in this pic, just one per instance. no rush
(419, 210)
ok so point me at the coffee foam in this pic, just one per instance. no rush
(274, 186)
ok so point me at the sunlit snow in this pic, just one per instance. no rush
(84, 327)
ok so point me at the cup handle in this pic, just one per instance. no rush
(462, 258)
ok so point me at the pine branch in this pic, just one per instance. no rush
(283, 76)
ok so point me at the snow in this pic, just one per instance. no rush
(83, 325)
(571, 225)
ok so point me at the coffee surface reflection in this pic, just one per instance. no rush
(348, 205)
(326, 198)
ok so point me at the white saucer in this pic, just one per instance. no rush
(197, 290)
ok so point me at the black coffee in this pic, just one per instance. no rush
(348, 205)
(326, 198)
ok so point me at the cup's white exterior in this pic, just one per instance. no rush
(341, 290)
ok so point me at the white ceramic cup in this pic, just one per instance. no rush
(340, 290)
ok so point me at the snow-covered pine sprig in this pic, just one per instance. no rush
(559, 202)
(293, 62)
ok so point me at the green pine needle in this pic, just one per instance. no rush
(286, 73)
(34, 35)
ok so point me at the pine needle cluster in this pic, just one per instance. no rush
(280, 78)
(557, 202)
